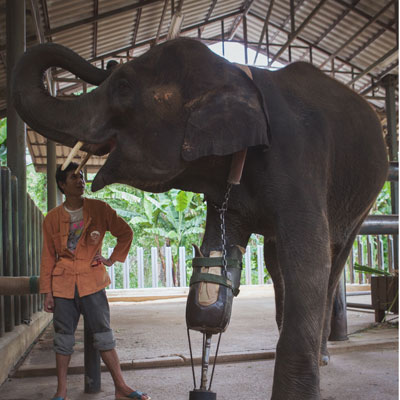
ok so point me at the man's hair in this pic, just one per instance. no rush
(61, 176)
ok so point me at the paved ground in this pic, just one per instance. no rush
(153, 333)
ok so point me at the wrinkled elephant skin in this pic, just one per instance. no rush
(173, 117)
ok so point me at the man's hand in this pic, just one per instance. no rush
(100, 259)
(49, 303)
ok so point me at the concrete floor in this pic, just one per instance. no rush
(151, 334)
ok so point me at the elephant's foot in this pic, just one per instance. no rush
(324, 356)
(324, 359)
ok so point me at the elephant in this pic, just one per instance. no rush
(175, 117)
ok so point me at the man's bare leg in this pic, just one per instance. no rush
(110, 358)
(62, 362)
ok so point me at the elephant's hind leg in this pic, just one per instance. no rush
(304, 257)
(340, 253)
(272, 263)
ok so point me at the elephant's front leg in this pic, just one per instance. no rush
(235, 232)
(304, 256)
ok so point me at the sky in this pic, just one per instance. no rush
(234, 52)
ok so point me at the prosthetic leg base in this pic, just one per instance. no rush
(198, 394)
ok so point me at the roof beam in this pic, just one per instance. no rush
(306, 42)
(95, 14)
(285, 22)
(137, 22)
(293, 36)
(41, 39)
(377, 83)
(36, 21)
(356, 34)
(373, 65)
(164, 11)
(336, 22)
(267, 17)
(245, 9)
(151, 41)
(366, 44)
(365, 15)
(108, 14)
(45, 14)
(210, 11)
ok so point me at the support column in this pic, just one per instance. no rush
(16, 134)
(389, 83)
(51, 173)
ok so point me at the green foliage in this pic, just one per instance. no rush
(3, 141)
(36, 184)
(174, 219)
(368, 270)
(383, 204)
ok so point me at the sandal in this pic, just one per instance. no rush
(137, 394)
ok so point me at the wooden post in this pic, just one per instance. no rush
(16, 135)
(390, 84)
(16, 268)
(2, 321)
(9, 316)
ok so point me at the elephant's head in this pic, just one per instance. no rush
(154, 115)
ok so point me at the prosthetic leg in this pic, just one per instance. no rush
(209, 306)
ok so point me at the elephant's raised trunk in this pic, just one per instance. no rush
(58, 118)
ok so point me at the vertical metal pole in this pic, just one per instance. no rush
(182, 266)
(389, 83)
(292, 21)
(34, 251)
(247, 258)
(92, 363)
(260, 264)
(29, 245)
(154, 267)
(339, 313)
(16, 135)
(168, 267)
(16, 267)
(267, 44)
(205, 360)
(246, 53)
(223, 37)
(51, 173)
(7, 245)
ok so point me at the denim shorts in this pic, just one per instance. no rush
(95, 311)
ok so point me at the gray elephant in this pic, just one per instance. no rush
(173, 118)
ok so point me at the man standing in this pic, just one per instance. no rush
(73, 276)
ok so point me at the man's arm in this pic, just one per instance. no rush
(122, 231)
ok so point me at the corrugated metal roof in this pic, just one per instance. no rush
(353, 40)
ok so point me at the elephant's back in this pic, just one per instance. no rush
(329, 127)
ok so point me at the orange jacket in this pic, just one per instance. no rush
(61, 269)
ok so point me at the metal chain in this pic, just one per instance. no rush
(222, 211)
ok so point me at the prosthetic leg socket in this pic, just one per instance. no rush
(209, 307)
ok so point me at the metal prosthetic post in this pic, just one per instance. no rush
(203, 393)
(205, 359)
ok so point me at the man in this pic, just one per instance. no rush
(73, 276)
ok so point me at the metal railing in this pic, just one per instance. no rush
(16, 310)
(147, 268)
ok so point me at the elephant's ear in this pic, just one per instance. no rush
(225, 121)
